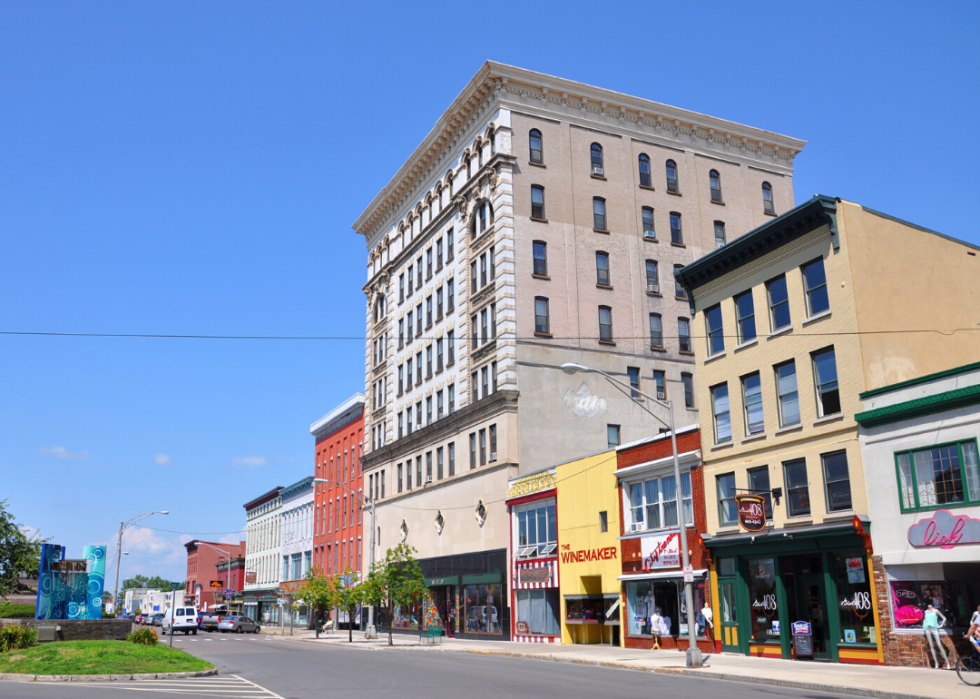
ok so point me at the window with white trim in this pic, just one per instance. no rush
(652, 503)
(537, 529)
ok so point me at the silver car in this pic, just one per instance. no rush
(238, 624)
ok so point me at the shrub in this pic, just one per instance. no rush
(144, 637)
(108, 615)
(14, 637)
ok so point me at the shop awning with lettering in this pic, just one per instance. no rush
(485, 578)
(661, 575)
(448, 580)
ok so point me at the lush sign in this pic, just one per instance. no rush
(751, 512)
(944, 530)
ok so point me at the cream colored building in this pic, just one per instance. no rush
(538, 223)
(792, 323)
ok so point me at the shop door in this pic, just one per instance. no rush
(811, 605)
(728, 621)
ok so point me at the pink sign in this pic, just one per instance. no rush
(945, 530)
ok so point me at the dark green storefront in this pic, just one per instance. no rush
(820, 574)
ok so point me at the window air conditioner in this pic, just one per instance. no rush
(493, 456)
(428, 479)
(597, 170)
(661, 395)
(654, 288)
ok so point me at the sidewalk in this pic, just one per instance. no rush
(863, 680)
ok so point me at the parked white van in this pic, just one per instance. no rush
(182, 619)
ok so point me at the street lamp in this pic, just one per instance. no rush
(693, 652)
(227, 553)
(370, 632)
(123, 526)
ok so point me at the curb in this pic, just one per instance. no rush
(22, 677)
(711, 675)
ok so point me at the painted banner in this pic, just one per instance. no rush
(660, 552)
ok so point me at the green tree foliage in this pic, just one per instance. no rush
(316, 594)
(19, 553)
(142, 581)
(394, 581)
(346, 595)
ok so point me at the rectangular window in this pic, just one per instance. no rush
(483, 447)
(428, 311)
(428, 361)
(474, 332)
(450, 296)
(720, 414)
(778, 303)
(762, 600)
(452, 397)
(939, 476)
(759, 485)
(836, 481)
(797, 488)
(752, 399)
(660, 381)
(493, 442)
(474, 280)
(428, 263)
(428, 467)
(679, 290)
(727, 510)
(719, 232)
(418, 320)
(786, 394)
(485, 381)
(605, 324)
(612, 436)
(439, 297)
(401, 378)
(418, 471)
(493, 377)
(815, 284)
(439, 354)
(451, 343)
(537, 202)
(439, 405)
(599, 213)
(401, 287)
(472, 450)
(634, 374)
(716, 334)
(653, 503)
(449, 245)
(688, 381)
(648, 231)
(653, 281)
(540, 258)
(399, 478)
(684, 334)
(428, 410)
(676, 234)
(603, 522)
(418, 367)
(745, 316)
(825, 380)
(439, 254)
(411, 278)
(452, 458)
(541, 321)
(602, 268)
(656, 331)
(483, 270)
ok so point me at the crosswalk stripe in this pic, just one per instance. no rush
(227, 687)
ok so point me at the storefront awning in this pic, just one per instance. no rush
(448, 580)
(485, 578)
(660, 576)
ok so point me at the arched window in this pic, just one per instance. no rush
(645, 180)
(715, 180)
(672, 176)
(767, 202)
(468, 173)
(535, 146)
(483, 217)
(596, 151)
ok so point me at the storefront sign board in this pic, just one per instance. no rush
(802, 639)
(250, 577)
(535, 483)
(944, 530)
(534, 575)
(751, 512)
(660, 552)
(216, 583)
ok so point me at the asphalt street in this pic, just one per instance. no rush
(262, 667)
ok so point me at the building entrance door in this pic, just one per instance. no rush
(728, 617)
(811, 605)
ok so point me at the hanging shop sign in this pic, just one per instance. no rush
(250, 576)
(661, 552)
(751, 512)
(945, 530)
(535, 483)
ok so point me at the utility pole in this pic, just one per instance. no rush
(123, 526)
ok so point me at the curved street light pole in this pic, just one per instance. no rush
(123, 526)
(228, 572)
(370, 632)
(694, 658)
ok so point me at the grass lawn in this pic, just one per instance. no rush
(9, 610)
(99, 658)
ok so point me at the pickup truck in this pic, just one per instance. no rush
(210, 620)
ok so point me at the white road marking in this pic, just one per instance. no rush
(227, 687)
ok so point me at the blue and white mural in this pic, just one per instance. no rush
(70, 589)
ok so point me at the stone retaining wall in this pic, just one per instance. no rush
(81, 629)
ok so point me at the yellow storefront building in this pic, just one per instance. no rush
(588, 536)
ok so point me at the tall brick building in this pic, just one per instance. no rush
(203, 558)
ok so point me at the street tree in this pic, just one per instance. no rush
(19, 553)
(346, 595)
(140, 581)
(317, 594)
(394, 581)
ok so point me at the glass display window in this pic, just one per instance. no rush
(406, 617)
(762, 600)
(482, 608)
(857, 619)
(911, 597)
(538, 612)
(653, 607)
(584, 609)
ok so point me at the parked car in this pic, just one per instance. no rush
(180, 619)
(211, 619)
(238, 624)
(156, 619)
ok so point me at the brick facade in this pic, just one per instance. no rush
(202, 568)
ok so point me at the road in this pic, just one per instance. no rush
(262, 667)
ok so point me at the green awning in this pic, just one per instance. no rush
(485, 578)
(920, 407)
(448, 580)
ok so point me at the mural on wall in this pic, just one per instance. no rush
(70, 588)
(584, 403)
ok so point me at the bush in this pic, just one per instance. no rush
(144, 637)
(10, 610)
(14, 637)
(108, 615)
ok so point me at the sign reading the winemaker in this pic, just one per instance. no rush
(751, 512)
(802, 639)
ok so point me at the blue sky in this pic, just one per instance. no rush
(194, 168)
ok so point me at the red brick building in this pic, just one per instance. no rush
(652, 575)
(203, 558)
(339, 523)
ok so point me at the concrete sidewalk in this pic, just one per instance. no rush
(863, 680)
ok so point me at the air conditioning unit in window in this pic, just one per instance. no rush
(653, 288)
(428, 479)
(661, 395)
(597, 170)
(493, 456)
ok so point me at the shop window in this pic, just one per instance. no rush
(762, 600)
(956, 596)
(654, 607)
(797, 488)
(539, 611)
(482, 605)
(759, 485)
(857, 619)
(537, 530)
(406, 617)
(837, 481)
(653, 503)
(939, 476)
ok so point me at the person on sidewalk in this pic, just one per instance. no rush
(974, 624)
(932, 621)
